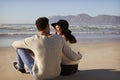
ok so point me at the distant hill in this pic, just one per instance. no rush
(85, 19)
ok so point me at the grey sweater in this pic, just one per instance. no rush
(48, 54)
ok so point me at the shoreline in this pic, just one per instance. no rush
(6, 40)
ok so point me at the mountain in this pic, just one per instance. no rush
(85, 19)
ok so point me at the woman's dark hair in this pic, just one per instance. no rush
(41, 23)
(68, 36)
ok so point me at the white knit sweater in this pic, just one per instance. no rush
(48, 52)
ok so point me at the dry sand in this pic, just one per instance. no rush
(101, 61)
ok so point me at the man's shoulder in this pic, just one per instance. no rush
(56, 36)
(33, 37)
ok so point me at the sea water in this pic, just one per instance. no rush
(83, 34)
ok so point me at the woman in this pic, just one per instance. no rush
(62, 28)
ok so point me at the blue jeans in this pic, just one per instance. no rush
(24, 58)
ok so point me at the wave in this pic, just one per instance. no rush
(15, 29)
(18, 33)
(30, 33)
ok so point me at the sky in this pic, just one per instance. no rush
(27, 11)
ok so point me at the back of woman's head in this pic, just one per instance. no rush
(64, 25)
(66, 32)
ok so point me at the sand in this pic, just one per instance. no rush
(101, 61)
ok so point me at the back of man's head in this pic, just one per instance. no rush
(41, 23)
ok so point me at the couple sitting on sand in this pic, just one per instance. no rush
(47, 56)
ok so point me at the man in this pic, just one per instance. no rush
(46, 60)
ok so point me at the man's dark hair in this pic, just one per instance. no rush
(41, 23)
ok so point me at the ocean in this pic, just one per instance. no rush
(84, 34)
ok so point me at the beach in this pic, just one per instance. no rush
(101, 61)
(95, 25)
